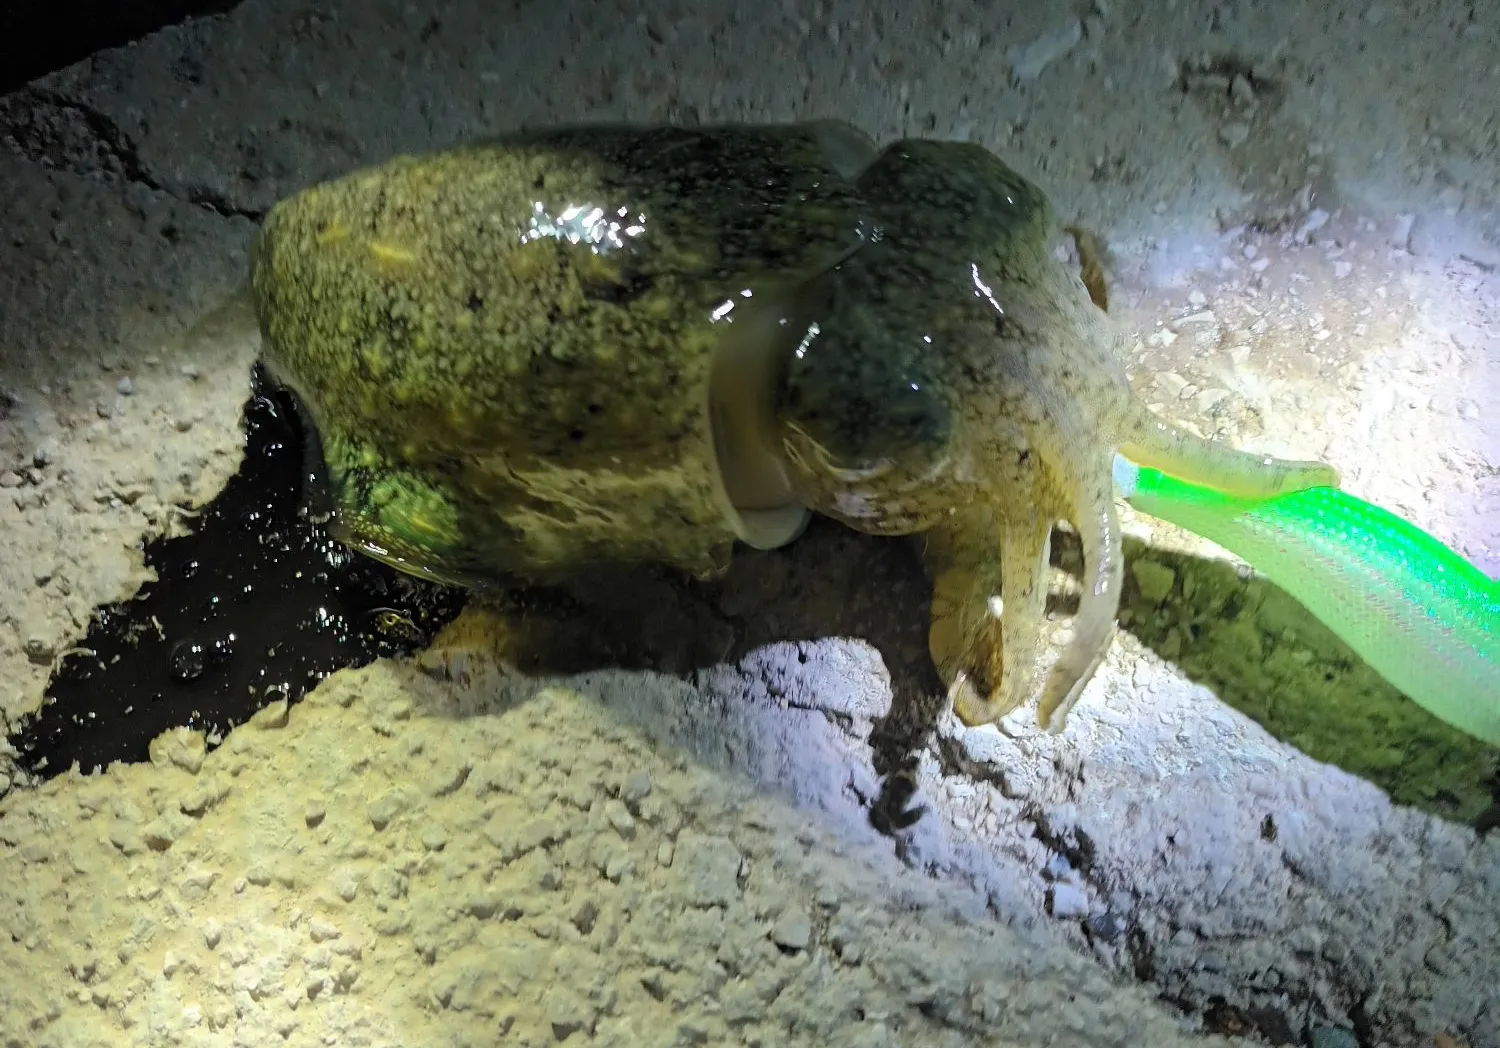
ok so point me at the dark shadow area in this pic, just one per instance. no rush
(38, 38)
(832, 582)
(257, 604)
(1263, 653)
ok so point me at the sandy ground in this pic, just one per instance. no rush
(1300, 206)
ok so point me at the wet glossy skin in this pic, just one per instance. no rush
(496, 401)
(505, 348)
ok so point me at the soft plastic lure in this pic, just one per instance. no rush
(1424, 618)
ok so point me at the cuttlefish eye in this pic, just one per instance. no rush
(863, 419)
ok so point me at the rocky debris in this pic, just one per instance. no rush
(287, 892)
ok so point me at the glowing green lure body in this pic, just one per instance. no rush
(1419, 614)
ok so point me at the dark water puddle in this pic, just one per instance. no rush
(259, 603)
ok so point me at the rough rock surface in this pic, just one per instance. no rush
(1311, 266)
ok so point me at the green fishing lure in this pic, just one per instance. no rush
(1419, 614)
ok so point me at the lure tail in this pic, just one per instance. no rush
(1424, 618)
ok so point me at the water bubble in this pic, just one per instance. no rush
(189, 658)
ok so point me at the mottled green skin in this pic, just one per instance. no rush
(966, 388)
(495, 406)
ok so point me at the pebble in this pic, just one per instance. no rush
(1108, 926)
(10, 479)
(321, 931)
(1234, 134)
(619, 817)
(712, 868)
(1027, 61)
(617, 866)
(792, 930)
(637, 788)
(1332, 1037)
(125, 386)
(1316, 219)
(1068, 901)
(384, 809)
(1241, 90)
(1401, 232)
(1172, 383)
(1153, 580)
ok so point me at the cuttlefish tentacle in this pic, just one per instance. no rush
(1149, 440)
(1092, 513)
(987, 649)
(987, 613)
(1153, 442)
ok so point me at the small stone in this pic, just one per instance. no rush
(585, 917)
(160, 834)
(1400, 237)
(1068, 901)
(1342, 269)
(567, 1012)
(10, 479)
(792, 930)
(620, 818)
(345, 884)
(213, 931)
(1234, 134)
(1027, 61)
(712, 868)
(1241, 90)
(618, 866)
(451, 780)
(38, 649)
(1108, 926)
(125, 386)
(321, 931)
(314, 813)
(181, 747)
(1332, 1037)
(1316, 219)
(384, 809)
(271, 717)
(1171, 383)
(637, 788)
